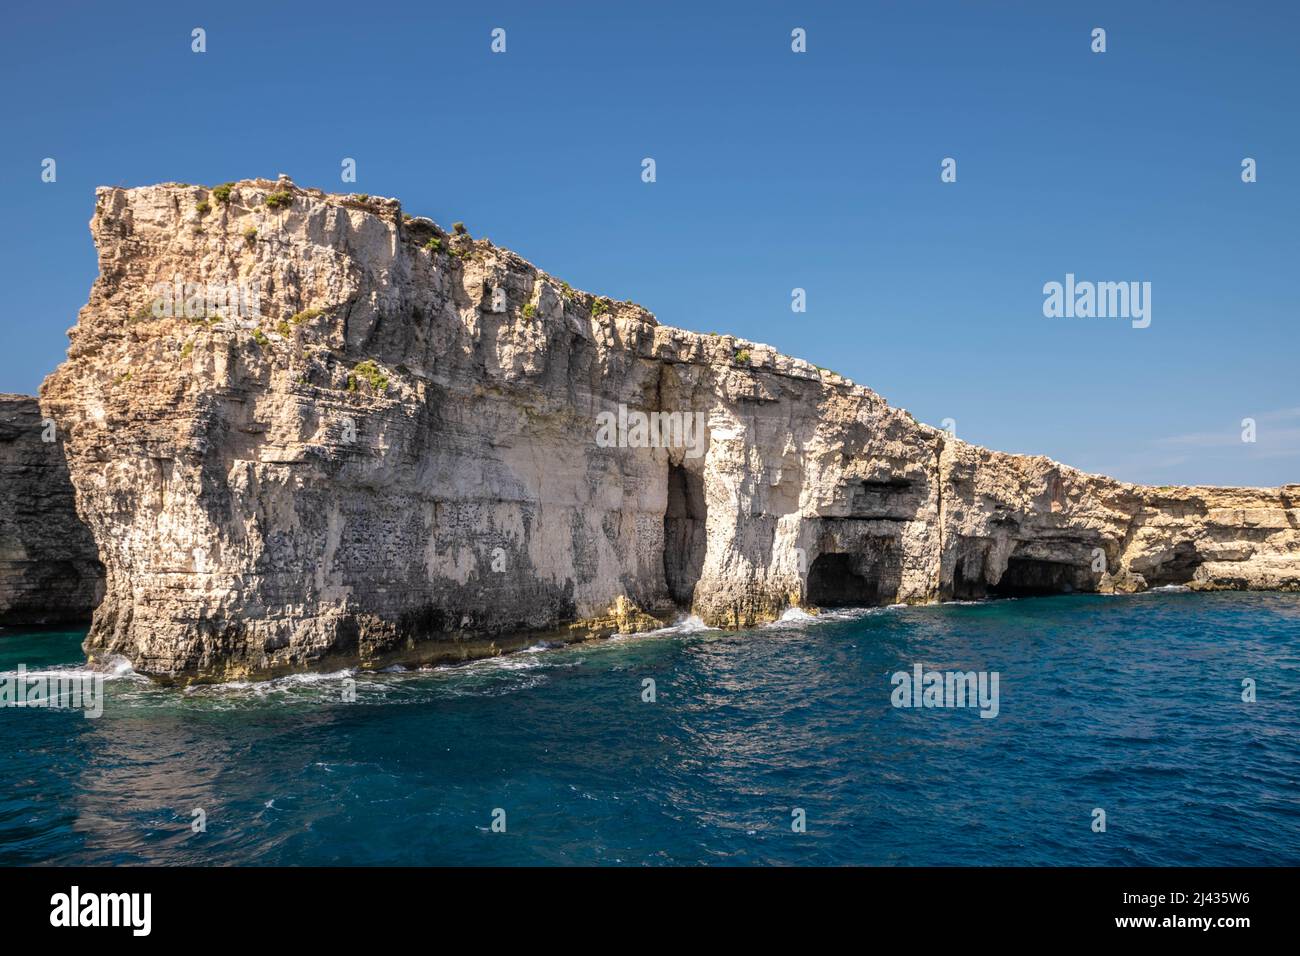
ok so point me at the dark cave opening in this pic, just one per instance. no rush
(684, 534)
(1179, 569)
(967, 586)
(832, 582)
(1028, 577)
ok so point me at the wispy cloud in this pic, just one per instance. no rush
(1277, 435)
(1217, 457)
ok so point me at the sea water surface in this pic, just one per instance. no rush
(1130, 704)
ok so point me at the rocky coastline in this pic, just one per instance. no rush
(303, 428)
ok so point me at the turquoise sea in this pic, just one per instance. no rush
(1130, 704)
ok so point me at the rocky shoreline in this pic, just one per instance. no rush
(304, 427)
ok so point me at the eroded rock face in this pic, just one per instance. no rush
(49, 571)
(406, 453)
(1021, 524)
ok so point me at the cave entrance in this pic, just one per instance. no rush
(832, 582)
(967, 587)
(968, 582)
(1027, 577)
(1179, 569)
(684, 534)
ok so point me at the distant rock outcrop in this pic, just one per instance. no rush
(49, 570)
(398, 442)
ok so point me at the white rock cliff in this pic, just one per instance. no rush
(400, 457)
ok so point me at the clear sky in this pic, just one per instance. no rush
(775, 170)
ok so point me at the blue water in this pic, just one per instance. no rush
(1131, 704)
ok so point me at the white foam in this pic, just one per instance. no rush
(686, 624)
(542, 646)
(794, 618)
(260, 687)
(120, 669)
(848, 613)
(689, 623)
(796, 614)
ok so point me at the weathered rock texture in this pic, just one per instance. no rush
(399, 458)
(49, 570)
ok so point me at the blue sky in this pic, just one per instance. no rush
(775, 170)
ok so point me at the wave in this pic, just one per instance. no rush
(686, 624)
(117, 668)
(796, 614)
(288, 681)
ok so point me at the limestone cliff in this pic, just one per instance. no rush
(398, 452)
(49, 571)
